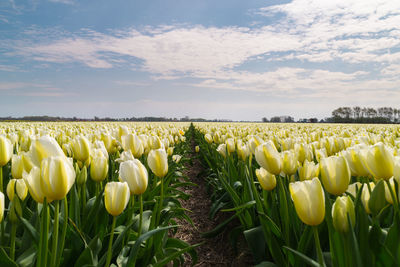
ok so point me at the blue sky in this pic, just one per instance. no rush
(240, 60)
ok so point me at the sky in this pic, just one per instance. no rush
(225, 59)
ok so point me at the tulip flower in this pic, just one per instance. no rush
(221, 149)
(98, 166)
(155, 143)
(197, 149)
(6, 150)
(335, 174)
(365, 196)
(289, 162)
(158, 162)
(176, 158)
(17, 166)
(268, 157)
(353, 156)
(134, 144)
(135, 174)
(126, 155)
(19, 186)
(308, 171)
(230, 145)
(254, 142)
(303, 152)
(57, 177)
(32, 180)
(379, 161)
(266, 179)
(309, 201)
(388, 194)
(81, 149)
(116, 197)
(208, 138)
(353, 188)
(42, 148)
(342, 208)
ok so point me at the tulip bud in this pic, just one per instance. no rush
(308, 171)
(335, 174)
(81, 148)
(377, 201)
(365, 196)
(135, 174)
(221, 149)
(17, 166)
(81, 175)
(170, 151)
(342, 208)
(116, 197)
(353, 188)
(266, 179)
(124, 156)
(230, 145)
(268, 157)
(155, 143)
(32, 180)
(98, 166)
(158, 162)
(42, 148)
(197, 149)
(19, 186)
(309, 201)
(254, 142)
(289, 162)
(133, 143)
(57, 177)
(303, 152)
(176, 158)
(379, 161)
(388, 195)
(6, 150)
(208, 138)
(243, 151)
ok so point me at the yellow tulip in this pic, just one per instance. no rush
(17, 166)
(208, 138)
(170, 151)
(267, 180)
(116, 197)
(19, 186)
(6, 150)
(388, 195)
(230, 145)
(133, 143)
(365, 196)
(268, 157)
(289, 162)
(32, 180)
(57, 177)
(354, 158)
(81, 148)
(342, 208)
(42, 148)
(308, 171)
(155, 143)
(1, 206)
(126, 155)
(98, 166)
(158, 162)
(303, 152)
(135, 174)
(222, 150)
(335, 174)
(197, 149)
(176, 158)
(379, 161)
(353, 188)
(309, 201)
(254, 142)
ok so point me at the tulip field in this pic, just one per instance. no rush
(109, 193)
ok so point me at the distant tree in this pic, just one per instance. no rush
(264, 119)
(275, 119)
(289, 119)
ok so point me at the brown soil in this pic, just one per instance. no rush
(215, 251)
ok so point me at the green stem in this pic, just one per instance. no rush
(83, 197)
(129, 219)
(55, 234)
(1, 179)
(12, 245)
(318, 247)
(63, 233)
(109, 252)
(141, 215)
(46, 222)
(161, 202)
(39, 259)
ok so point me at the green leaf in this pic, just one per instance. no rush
(5, 261)
(27, 258)
(90, 254)
(306, 259)
(377, 200)
(266, 264)
(244, 206)
(30, 229)
(392, 239)
(274, 228)
(256, 242)
(135, 249)
(219, 228)
(174, 255)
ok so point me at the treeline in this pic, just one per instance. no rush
(365, 115)
(149, 119)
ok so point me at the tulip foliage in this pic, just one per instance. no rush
(92, 194)
(309, 194)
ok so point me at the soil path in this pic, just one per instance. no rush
(215, 251)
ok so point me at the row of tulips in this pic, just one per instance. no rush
(80, 196)
(287, 185)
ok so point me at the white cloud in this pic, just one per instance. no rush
(67, 2)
